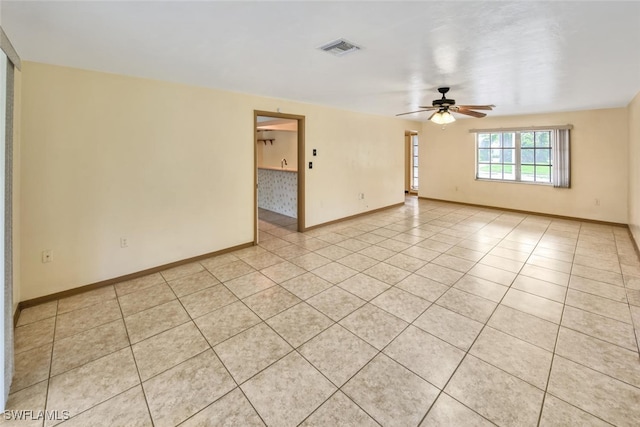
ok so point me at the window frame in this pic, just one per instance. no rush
(517, 150)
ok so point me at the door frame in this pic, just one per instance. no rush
(301, 167)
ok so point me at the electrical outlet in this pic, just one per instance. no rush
(124, 242)
(47, 255)
(361, 196)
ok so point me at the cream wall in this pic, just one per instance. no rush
(599, 168)
(634, 167)
(171, 168)
(285, 146)
(357, 153)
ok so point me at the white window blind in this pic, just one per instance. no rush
(561, 154)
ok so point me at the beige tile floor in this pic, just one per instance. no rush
(426, 314)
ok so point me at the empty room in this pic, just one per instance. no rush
(345, 213)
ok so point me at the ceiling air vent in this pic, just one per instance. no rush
(339, 47)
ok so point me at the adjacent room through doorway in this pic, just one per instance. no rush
(277, 173)
(411, 162)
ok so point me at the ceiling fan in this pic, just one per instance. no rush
(444, 107)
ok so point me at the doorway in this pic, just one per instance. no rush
(411, 162)
(279, 172)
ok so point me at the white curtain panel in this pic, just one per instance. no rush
(561, 159)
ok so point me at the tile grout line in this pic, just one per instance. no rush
(223, 365)
(484, 325)
(626, 292)
(339, 389)
(53, 340)
(555, 345)
(192, 320)
(133, 356)
(93, 360)
(294, 350)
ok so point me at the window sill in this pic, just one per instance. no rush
(545, 184)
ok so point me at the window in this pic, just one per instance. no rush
(524, 155)
(414, 162)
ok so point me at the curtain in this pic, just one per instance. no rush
(8, 234)
(561, 159)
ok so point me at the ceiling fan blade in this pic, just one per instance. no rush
(469, 112)
(430, 107)
(477, 107)
(411, 112)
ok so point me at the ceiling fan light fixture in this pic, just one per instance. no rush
(443, 118)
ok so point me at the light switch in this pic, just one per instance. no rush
(314, 152)
(310, 165)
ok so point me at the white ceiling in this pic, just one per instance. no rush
(524, 57)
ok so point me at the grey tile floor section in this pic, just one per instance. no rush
(429, 314)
